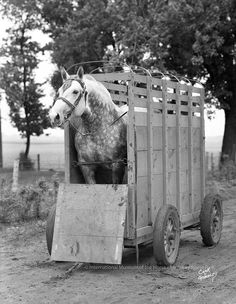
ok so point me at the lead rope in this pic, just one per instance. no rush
(91, 133)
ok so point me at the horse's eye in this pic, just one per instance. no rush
(75, 92)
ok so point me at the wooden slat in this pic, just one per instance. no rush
(115, 87)
(140, 91)
(141, 119)
(183, 87)
(150, 147)
(164, 141)
(144, 231)
(202, 147)
(140, 78)
(89, 223)
(197, 99)
(196, 121)
(183, 97)
(171, 107)
(171, 84)
(142, 201)
(156, 81)
(141, 133)
(196, 110)
(190, 148)
(189, 219)
(142, 164)
(67, 145)
(171, 96)
(131, 153)
(156, 94)
(140, 102)
(112, 76)
(72, 174)
(178, 151)
(157, 195)
(198, 90)
(119, 97)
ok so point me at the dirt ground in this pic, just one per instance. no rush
(201, 274)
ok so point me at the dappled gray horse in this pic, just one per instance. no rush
(100, 125)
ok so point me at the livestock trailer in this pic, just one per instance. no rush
(165, 190)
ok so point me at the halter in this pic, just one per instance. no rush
(71, 105)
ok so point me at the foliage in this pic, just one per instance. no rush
(29, 202)
(193, 38)
(81, 30)
(17, 74)
(25, 162)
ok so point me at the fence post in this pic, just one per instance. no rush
(212, 164)
(207, 163)
(15, 175)
(38, 162)
(234, 153)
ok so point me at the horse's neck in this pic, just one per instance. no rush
(100, 109)
(98, 114)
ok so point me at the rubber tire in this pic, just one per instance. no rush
(206, 219)
(50, 228)
(158, 235)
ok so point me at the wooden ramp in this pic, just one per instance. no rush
(89, 223)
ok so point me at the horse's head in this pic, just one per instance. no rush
(71, 98)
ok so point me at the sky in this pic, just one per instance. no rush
(213, 127)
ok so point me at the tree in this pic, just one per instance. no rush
(81, 30)
(198, 38)
(17, 76)
(193, 38)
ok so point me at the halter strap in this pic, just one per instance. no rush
(71, 105)
(66, 101)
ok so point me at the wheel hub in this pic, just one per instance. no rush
(170, 237)
(216, 222)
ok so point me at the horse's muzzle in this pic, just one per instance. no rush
(55, 120)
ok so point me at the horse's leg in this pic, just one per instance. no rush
(89, 174)
(125, 176)
(117, 173)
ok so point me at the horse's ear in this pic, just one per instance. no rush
(64, 74)
(80, 72)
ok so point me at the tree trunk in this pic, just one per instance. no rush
(229, 140)
(27, 145)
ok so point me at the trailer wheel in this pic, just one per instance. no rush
(50, 228)
(166, 236)
(211, 219)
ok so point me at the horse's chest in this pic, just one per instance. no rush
(99, 145)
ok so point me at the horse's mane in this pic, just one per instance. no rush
(89, 77)
(92, 84)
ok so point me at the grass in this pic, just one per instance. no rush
(30, 176)
(36, 194)
(37, 191)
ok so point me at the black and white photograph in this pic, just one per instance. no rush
(117, 151)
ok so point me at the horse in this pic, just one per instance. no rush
(100, 125)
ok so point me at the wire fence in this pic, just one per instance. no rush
(220, 168)
(38, 162)
(51, 155)
(56, 163)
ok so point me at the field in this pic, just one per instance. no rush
(201, 274)
(51, 154)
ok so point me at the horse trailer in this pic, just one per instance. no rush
(165, 189)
